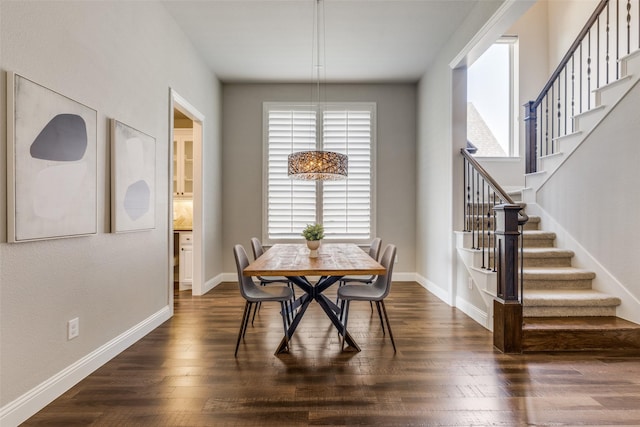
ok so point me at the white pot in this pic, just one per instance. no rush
(313, 246)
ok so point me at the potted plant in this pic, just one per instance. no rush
(313, 233)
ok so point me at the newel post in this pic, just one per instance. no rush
(530, 144)
(507, 308)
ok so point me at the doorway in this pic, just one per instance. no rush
(185, 193)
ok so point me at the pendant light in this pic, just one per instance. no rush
(317, 165)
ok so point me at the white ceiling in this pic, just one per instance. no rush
(272, 40)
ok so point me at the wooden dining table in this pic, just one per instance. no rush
(334, 261)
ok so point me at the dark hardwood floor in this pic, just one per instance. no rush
(446, 373)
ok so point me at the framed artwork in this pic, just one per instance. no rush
(51, 163)
(133, 179)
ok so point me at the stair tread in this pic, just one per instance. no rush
(569, 297)
(595, 323)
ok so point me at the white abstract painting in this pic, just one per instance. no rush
(52, 163)
(133, 160)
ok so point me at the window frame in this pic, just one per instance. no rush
(319, 109)
(514, 107)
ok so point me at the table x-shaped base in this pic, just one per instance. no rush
(314, 293)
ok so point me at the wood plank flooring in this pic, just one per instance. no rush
(446, 373)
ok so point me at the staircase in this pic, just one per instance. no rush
(543, 302)
(561, 311)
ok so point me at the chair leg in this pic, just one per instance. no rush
(258, 304)
(384, 310)
(247, 307)
(246, 321)
(380, 316)
(284, 323)
(341, 305)
(344, 324)
(255, 310)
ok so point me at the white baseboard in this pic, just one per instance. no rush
(19, 410)
(434, 289)
(470, 310)
(473, 312)
(403, 277)
(213, 282)
(230, 277)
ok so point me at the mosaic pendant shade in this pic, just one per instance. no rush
(318, 165)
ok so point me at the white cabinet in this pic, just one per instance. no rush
(183, 162)
(185, 260)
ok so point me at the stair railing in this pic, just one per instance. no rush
(592, 61)
(482, 194)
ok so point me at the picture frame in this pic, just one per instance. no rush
(51, 164)
(133, 184)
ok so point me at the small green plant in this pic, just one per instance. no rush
(313, 232)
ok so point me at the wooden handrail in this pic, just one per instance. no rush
(565, 59)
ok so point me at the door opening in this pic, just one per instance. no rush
(185, 196)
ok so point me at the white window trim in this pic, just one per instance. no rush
(266, 107)
(514, 85)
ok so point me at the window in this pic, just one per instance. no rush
(492, 101)
(344, 207)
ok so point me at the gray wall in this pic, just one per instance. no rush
(119, 58)
(439, 164)
(396, 147)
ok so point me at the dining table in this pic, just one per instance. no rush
(314, 275)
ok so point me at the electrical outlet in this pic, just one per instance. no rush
(470, 283)
(73, 328)
(396, 261)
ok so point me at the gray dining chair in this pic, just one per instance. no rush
(258, 250)
(374, 252)
(254, 294)
(375, 292)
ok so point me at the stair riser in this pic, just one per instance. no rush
(559, 311)
(547, 262)
(587, 120)
(572, 340)
(630, 64)
(539, 243)
(567, 143)
(531, 261)
(530, 284)
(611, 93)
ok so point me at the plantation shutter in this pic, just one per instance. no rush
(291, 203)
(346, 207)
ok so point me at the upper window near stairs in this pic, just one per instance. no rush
(492, 101)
